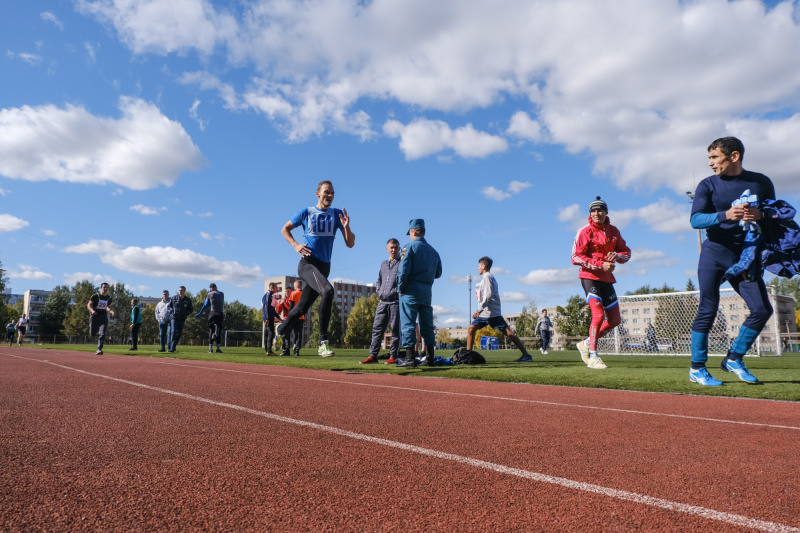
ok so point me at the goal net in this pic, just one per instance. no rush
(660, 324)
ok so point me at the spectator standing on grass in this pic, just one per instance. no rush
(11, 327)
(99, 307)
(320, 224)
(297, 329)
(597, 249)
(180, 307)
(388, 310)
(268, 315)
(216, 301)
(420, 265)
(713, 210)
(136, 324)
(162, 317)
(652, 341)
(545, 328)
(489, 312)
(283, 308)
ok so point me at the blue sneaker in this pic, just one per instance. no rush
(737, 367)
(702, 376)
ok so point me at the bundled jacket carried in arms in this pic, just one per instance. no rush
(773, 243)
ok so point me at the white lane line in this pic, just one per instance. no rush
(703, 512)
(483, 396)
(487, 397)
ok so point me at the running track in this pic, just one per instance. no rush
(102, 443)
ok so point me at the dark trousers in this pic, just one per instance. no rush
(214, 328)
(298, 333)
(268, 333)
(163, 333)
(175, 335)
(97, 326)
(387, 314)
(135, 335)
(715, 259)
(315, 275)
(546, 334)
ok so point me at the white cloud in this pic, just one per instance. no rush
(166, 261)
(195, 116)
(145, 210)
(29, 58)
(454, 322)
(644, 260)
(663, 216)
(28, 272)
(515, 296)
(515, 187)
(50, 17)
(206, 236)
(206, 214)
(445, 311)
(141, 150)
(90, 52)
(11, 223)
(422, 137)
(460, 279)
(645, 121)
(94, 279)
(4, 192)
(524, 127)
(500, 271)
(552, 277)
(48, 232)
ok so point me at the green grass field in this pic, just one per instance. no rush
(780, 376)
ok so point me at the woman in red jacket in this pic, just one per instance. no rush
(598, 247)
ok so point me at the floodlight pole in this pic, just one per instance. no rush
(469, 284)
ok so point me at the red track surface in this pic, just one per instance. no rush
(141, 444)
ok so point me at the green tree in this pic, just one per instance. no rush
(195, 330)
(526, 323)
(443, 335)
(574, 319)
(690, 285)
(646, 289)
(51, 319)
(119, 327)
(77, 320)
(149, 333)
(239, 317)
(359, 323)
(788, 287)
(335, 333)
(5, 314)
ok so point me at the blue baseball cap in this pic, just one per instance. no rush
(415, 223)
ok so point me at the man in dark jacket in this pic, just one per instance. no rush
(388, 311)
(180, 307)
(216, 301)
(268, 315)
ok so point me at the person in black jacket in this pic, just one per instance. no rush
(180, 307)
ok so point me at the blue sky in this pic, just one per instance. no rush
(165, 142)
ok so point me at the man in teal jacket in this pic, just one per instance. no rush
(420, 264)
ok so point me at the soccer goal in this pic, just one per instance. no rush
(660, 324)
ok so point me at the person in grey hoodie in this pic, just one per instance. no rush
(545, 328)
(488, 313)
(216, 301)
(162, 317)
(388, 311)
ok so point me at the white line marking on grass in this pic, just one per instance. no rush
(487, 397)
(703, 512)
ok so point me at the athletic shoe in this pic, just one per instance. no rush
(210, 350)
(526, 358)
(219, 351)
(737, 367)
(285, 353)
(270, 352)
(325, 349)
(161, 351)
(703, 377)
(368, 361)
(99, 352)
(583, 348)
(541, 350)
(544, 352)
(132, 349)
(390, 361)
(596, 363)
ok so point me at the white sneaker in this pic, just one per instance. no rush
(544, 352)
(583, 348)
(596, 363)
(325, 349)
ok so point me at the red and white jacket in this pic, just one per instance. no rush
(592, 244)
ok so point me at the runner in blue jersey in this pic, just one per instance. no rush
(319, 225)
